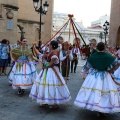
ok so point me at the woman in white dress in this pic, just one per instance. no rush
(50, 87)
(116, 77)
(23, 72)
(99, 91)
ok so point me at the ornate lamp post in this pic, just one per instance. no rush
(41, 11)
(105, 28)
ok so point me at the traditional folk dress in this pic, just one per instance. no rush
(64, 63)
(83, 52)
(23, 72)
(99, 92)
(116, 77)
(49, 87)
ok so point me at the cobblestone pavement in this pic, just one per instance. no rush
(14, 107)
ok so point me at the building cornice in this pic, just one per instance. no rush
(11, 6)
(29, 21)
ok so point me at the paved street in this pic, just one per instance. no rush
(14, 107)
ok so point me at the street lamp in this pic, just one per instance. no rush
(105, 28)
(41, 11)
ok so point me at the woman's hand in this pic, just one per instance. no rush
(12, 60)
(33, 44)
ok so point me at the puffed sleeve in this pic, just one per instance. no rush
(85, 69)
(41, 57)
(55, 57)
(114, 65)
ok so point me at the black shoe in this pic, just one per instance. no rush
(74, 71)
(19, 91)
(71, 71)
(23, 91)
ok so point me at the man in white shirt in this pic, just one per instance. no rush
(60, 42)
(76, 55)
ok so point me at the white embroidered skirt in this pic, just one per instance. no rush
(48, 89)
(23, 76)
(99, 93)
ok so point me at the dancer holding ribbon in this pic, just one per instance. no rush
(23, 72)
(49, 87)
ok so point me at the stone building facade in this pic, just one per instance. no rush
(8, 16)
(22, 12)
(115, 23)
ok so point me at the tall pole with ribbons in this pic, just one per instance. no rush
(67, 67)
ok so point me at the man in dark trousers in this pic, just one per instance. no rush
(74, 62)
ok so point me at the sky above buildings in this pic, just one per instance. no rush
(85, 10)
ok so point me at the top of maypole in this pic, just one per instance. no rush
(70, 15)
